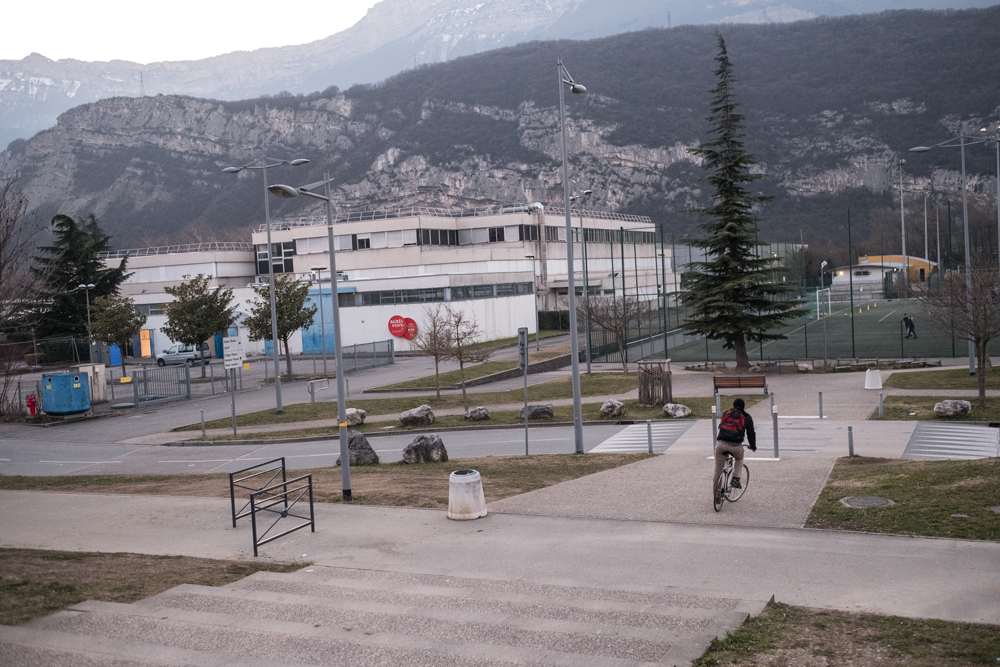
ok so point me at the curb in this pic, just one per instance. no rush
(320, 438)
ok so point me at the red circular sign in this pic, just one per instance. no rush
(397, 326)
(411, 329)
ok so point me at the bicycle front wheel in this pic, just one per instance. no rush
(736, 494)
(720, 491)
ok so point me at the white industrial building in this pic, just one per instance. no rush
(397, 262)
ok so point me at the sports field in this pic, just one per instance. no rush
(877, 333)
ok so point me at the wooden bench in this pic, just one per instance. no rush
(740, 382)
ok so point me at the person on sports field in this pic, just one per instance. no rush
(732, 427)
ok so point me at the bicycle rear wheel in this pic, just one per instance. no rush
(720, 491)
(735, 494)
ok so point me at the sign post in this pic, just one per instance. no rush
(522, 355)
(232, 358)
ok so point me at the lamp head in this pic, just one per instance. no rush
(920, 149)
(577, 89)
(587, 193)
(902, 162)
(822, 265)
(283, 191)
(529, 256)
(298, 161)
(317, 268)
(231, 170)
(81, 287)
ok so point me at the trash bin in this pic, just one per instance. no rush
(873, 379)
(465, 496)
(65, 393)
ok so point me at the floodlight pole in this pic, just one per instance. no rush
(565, 78)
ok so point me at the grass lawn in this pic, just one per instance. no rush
(784, 635)
(701, 408)
(396, 484)
(953, 378)
(597, 384)
(473, 372)
(926, 494)
(922, 407)
(35, 583)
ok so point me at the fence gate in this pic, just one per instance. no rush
(161, 384)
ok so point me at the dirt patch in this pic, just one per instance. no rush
(36, 583)
(786, 636)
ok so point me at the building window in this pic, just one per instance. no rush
(282, 257)
(361, 242)
(496, 234)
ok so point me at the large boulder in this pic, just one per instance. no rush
(952, 408)
(361, 453)
(805, 368)
(355, 416)
(425, 449)
(537, 412)
(478, 414)
(422, 416)
(613, 408)
(676, 410)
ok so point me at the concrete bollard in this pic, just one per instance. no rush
(715, 427)
(820, 405)
(881, 395)
(772, 401)
(718, 403)
(347, 387)
(850, 441)
(202, 423)
(649, 434)
(465, 496)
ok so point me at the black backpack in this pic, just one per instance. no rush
(733, 426)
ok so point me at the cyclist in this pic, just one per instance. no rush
(732, 427)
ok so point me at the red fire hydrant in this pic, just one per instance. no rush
(31, 405)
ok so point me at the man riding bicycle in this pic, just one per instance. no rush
(732, 427)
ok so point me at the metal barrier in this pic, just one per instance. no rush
(317, 385)
(368, 355)
(161, 385)
(273, 498)
(238, 484)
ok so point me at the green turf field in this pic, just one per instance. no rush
(877, 333)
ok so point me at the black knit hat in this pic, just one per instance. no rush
(739, 403)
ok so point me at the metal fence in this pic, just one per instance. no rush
(368, 355)
(160, 385)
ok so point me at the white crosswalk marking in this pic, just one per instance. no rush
(634, 438)
(952, 441)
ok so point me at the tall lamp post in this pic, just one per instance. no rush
(287, 192)
(264, 164)
(534, 285)
(963, 140)
(586, 277)
(902, 226)
(994, 138)
(322, 321)
(566, 79)
(90, 341)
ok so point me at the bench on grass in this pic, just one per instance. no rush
(740, 382)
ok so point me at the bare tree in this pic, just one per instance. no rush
(21, 289)
(614, 314)
(969, 316)
(463, 334)
(434, 339)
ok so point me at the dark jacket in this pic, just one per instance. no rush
(751, 434)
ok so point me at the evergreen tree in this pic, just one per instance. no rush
(732, 293)
(290, 297)
(198, 312)
(70, 261)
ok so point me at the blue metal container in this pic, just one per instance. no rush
(65, 393)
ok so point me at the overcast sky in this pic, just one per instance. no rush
(146, 32)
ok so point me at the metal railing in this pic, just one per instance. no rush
(272, 498)
(241, 246)
(160, 385)
(428, 211)
(235, 483)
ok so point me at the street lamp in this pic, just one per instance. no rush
(902, 225)
(90, 341)
(322, 321)
(994, 139)
(264, 164)
(586, 277)
(950, 143)
(565, 78)
(287, 192)
(535, 289)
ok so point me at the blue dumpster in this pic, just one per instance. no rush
(65, 393)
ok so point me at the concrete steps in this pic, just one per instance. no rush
(343, 616)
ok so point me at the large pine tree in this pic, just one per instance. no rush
(732, 293)
(70, 261)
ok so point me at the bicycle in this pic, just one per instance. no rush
(723, 491)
